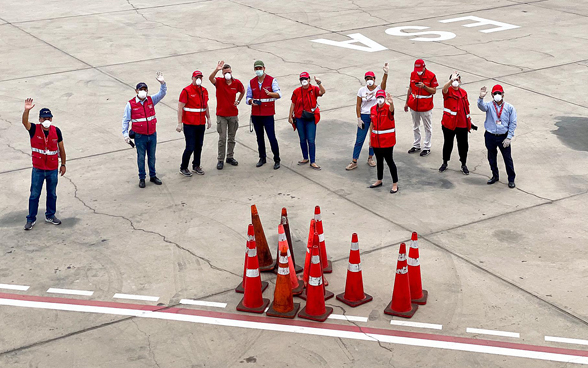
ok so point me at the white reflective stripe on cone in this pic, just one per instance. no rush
(414, 244)
(403, 270)
(449, 111)
(251, 237)
(383, 131)
(354, 246)
(321, 237)
(283, 271)
(193, 110)
(252, 273)
(423, 96)
(317, 217)
(252, 252)
(267, 99)
(402, 257)
(315, 259)
(289, 255)
(283, 259)
(354, 267)
(44, 152)
(413, 262)
(315, 281)
(281, 237)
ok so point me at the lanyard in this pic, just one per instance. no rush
(498, 113)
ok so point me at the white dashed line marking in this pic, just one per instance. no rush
(14, 287)
(492, 332)
(566, 340)
(348, 318)
(417, 324)
(70, 291)
(203, 303)
(136, 297)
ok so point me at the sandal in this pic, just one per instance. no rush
(303, 162)
(315, 166)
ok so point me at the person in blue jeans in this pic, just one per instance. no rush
(304, 109)
(366, 98)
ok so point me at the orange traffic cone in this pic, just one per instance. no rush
(266, 262)
(297, 285)
(400, 305)
(418, 295)
(327, 265)
(286, 225)
(311, 232)
(315, 305)
(327, 294)
(250, 238)
(354, 295)
(253, 300)
(283, 304)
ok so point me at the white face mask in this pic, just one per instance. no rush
(198, 81)
(228, 76)
(421, 72)
(142, 94)
(46, 124)
(304, 82)
(259, 73)
(455, 83)
(497, 97)
(370, 82)
(380, 100)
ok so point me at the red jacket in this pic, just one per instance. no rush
(45, 149)
(450, 110)
(267, 107)
(143, 116)
(383, 133)
(196, 100)
(420, 99)
(305, 99)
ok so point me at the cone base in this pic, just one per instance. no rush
(367, 298)
(239, 289)
(269, 268)
(319, 318)
(273, 313)
(423, 300)
(298, 269)
(242, 308)
(329, 268)
(298, 289)
(408, 314)
(328, 295)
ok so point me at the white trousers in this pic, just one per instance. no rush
(425, 116)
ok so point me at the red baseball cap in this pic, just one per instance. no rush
(304, 75)
(497, 88)
(197, 73)
(419, 65)
(381, 93)
(370, 74)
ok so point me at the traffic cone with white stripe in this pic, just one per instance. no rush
(309, 244)
(354, 295)
(315, 308)
(253, 300)
(250, 238)
(266, 262)
(297, 285)
(418, 295)
(326, 264)
(400, 305)
(327, 294)
(283, 304)
(286, 225)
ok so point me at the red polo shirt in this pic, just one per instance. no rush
(226, 96)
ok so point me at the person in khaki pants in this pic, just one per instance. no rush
(227, 114)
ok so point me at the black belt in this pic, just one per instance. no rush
(498, 135)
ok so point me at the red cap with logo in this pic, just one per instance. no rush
(197, 73)
(304, 75)
(419, 65)
(497, 88)
(381, 93)
(370, 74)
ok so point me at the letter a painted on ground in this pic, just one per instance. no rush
(367, 44)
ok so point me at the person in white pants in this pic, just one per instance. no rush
(419, 99)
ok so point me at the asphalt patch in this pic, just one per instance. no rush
(573, 132)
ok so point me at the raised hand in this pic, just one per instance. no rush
(483, 92)
(160, 78)
(317, 80)
(386, 68)
(29, 104)
(389, 99)
(220, 65)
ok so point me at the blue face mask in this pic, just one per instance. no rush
(259, 73)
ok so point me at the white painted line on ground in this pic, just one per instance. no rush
(348, 318)
(70, 291)
(14, 287)
(492, 332)
(417, 324)
(566, 340)
(203, 303)
(136, 297)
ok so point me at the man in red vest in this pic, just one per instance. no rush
(140, 112)
(419, 98)
(46, 144)
(262, 93)
(194, 115)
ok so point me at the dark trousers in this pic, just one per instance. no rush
(146, 144)
(38, 177)
(386, 154)
(194, 135)
(259, 124)
(462, 143)
(493, 142)
(307, 134)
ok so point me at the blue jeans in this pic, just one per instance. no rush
(259, 124)
(146, 144)
(361, 134)
(38, 177)
(307, 134)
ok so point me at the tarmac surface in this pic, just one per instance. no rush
(510, 261)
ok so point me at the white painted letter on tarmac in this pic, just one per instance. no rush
(399, 31)
(368, 44)
(482, 22)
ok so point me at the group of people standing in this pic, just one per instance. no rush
(374, 110)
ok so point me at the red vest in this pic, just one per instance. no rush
(450, 103)
(45, 149)
(267, 107)
(195, 110)
(383, 128)
(420, 99)
(143, 116)
(311, 100)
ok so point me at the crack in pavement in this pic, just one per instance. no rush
(482, 57)
(148, 336)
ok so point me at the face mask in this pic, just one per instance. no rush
(46, 124)
(198, 81)
(228, 76)
(421, 72)
(259, 73)
(370, 82)
(380, 100)
(304, 82)
(455, 84)
(497, 97)
(142, 94)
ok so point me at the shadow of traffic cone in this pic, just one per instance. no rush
(250, 238)
(286, 224)
(266, 262)
(400, 305)
(315, 305)
(327, 294)
(418, 295)
(283, 304)
(297, 285)
(326, 264)
(354, 295)
(253, 300)
(309, 243)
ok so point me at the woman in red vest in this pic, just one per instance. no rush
(383, 137)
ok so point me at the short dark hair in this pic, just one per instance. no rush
(226, 66)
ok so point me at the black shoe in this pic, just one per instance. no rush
(492, 180)
(185, 172)
(232, 161)
(141, 183)
(511, 184)
(464, 170)
(413, 150)
(443, 167)
(375, 186)
(276, 165)
(425, 153)
(220, 165)
(395, 191)
(29, 225)
(155, 180)
(261, 162)
(53, 220)
(198, 170)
